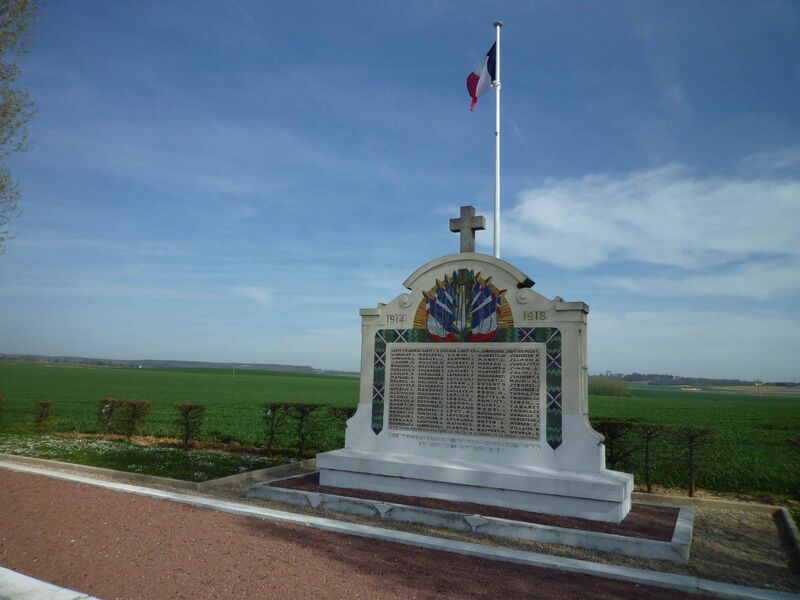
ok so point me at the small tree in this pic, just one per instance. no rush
(340, 414)
(338, 417)
(105, 414)
(617, 441)
(42, 419)
(274, 417)
(16, 107)
(794, 461)
(793, 441)
(189, 421)
(697, 443)
(132, 414)
(301, 413)
(648, 433)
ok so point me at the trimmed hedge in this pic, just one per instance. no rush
(42, 415)
(304, 427)
(124, 417)
(677, 455)
(189, 419)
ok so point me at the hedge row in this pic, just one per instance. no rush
(296, 427)
(649, 448)
(302, 425)
(655, 453)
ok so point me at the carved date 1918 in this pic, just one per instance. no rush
(534, 315)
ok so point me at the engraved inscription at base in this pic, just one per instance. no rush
(485, 389)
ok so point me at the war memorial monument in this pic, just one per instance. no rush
(474, 388)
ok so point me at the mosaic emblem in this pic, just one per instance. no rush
(464, 307)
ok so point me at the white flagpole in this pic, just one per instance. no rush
(496, 84)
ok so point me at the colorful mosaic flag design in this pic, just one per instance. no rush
(463, 307)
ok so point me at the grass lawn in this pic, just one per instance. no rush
(123, 456)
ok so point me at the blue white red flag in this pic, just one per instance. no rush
(482, 77)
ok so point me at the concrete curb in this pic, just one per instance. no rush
(571, 565)
(16, 586)
(791, 527)
(658, 499)
(676, 550)
(110, 473)
(277, 470)
(259, 475)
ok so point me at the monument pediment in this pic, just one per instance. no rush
(450, 261)
(471, 297)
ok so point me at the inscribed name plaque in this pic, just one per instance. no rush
(482, 389)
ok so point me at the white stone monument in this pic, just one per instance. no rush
(474, 388)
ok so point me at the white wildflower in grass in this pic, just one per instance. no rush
(162, 461)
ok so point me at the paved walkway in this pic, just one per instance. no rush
(111, 544)
(16, 586)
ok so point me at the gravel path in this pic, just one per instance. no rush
(116, 545)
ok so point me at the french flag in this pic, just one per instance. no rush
(482, 77)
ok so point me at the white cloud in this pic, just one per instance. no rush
(776, 160)
(258, 294)
(701, 343)
(757, 280)
(661, 56)
(663, 216)
(104, 289)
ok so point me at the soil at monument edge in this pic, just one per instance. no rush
(648, 522)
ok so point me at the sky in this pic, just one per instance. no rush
(232, 180)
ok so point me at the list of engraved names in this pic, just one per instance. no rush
(487, 389)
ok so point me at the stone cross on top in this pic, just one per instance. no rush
(467, 224)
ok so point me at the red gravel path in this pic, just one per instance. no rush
(117, 545)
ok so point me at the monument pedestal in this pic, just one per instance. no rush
(604, 496)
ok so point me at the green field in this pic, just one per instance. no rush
(233, 404)
(752, 454)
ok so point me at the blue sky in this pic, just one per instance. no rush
(232, 181)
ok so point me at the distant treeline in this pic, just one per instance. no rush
(159, 364)
(653, 378)
(600, 385)
(662, 379)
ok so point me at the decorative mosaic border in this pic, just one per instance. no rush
(550, 336)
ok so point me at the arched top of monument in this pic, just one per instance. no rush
(523, 281)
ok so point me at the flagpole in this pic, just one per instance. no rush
(496, 84)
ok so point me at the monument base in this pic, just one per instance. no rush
(603, 496)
